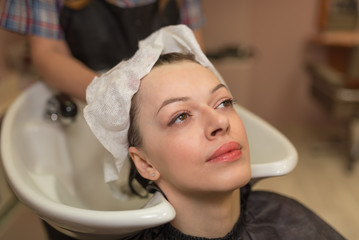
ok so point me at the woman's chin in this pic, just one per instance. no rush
(233, 183)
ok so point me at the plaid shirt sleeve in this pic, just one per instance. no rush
(33, 17)
(191, 13)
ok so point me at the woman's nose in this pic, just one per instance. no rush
(217, 123)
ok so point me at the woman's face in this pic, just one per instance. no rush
(191, 134)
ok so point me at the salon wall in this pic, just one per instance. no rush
(274, 84)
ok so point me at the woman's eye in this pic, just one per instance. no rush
(226, 103)
(179, 118)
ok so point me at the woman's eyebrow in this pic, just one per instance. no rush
(218, 87)
(172, 100)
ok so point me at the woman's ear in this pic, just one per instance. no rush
(144, 167)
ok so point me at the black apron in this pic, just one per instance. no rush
(100, 35)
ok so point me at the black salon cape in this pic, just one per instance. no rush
(264, 215)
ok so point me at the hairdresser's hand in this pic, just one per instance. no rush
(58, 68)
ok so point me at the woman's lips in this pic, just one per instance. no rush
(228, 152)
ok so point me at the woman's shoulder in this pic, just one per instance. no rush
(285, 216)
(275, 199)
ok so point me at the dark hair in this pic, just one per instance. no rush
(134, 136)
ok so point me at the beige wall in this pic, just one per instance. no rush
(277, 85)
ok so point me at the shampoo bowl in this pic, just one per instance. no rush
(57, 171)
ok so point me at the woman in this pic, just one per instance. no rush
(201, 155)
(185, 136)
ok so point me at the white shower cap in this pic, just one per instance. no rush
(109, 96)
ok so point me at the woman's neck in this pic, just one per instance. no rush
(206, 216)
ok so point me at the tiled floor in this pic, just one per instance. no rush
(320, 181)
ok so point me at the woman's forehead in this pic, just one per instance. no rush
(179, 75)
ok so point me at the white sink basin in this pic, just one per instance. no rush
(58, 171)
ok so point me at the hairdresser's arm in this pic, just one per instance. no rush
(58, 68)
